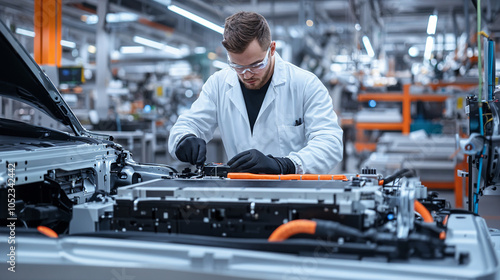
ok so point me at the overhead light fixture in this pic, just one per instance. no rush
(159, 46)
(429, 47)
(413, 51)
(148, 43)
(121, 17)
(431, 26)
(131, 49)
(309, 23)
(173, 50)
(89, 19)
(68, 44)
(368, 46)
(200, 50)
(196, 19)
(91, 49)
(164, 2)
(25, 32)
(110, 17)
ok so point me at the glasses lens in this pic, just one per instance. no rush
(254, 69)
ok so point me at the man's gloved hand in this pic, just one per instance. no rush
(192, 149)
(253, 161)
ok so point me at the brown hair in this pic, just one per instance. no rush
(242, 28)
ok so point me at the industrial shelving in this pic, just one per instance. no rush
(406, 98)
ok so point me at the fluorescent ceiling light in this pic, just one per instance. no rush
(110, 17)
(219, 64)
(173, 50)
(429, 47)
(68, 44)
(148, 43)
(431, 26)
(132, 49)
(368, 46)
(121, 17)
(196, 19)
(200, 50)
(164, 2)
(25, 32)
(90, 19)
(159, 46)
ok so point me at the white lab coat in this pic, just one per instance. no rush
(315, 146)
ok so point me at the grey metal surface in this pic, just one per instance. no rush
(349, 199)
(80, 257)
(432, 157)
(86, 216)
(33, 165)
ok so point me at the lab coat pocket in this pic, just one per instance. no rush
(292, 138)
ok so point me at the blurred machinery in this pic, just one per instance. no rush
(483, 144)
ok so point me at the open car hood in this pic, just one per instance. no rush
(22, 79)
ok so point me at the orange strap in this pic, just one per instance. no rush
(291, 228)
(426, 215)
(298, 177)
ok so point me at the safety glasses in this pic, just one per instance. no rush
(254, 68)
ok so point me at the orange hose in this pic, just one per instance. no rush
(291, 228)
(47, 231)
(298, 177)
(252, 176)
(426, 215)
(445, 221)
(442, 235)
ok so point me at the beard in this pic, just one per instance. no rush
(257, 81)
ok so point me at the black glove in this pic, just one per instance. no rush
(192, 149)
(253, 161)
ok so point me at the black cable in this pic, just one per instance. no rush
(470, 206)
(405, 172)
(474, 3)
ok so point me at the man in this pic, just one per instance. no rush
(273, 117)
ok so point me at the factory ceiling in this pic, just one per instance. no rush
(393, 26)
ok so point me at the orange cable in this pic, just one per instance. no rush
(298, 177)
(445, 221)
(442, 235)
(47, 232)
(426, 215)
(291, 228)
